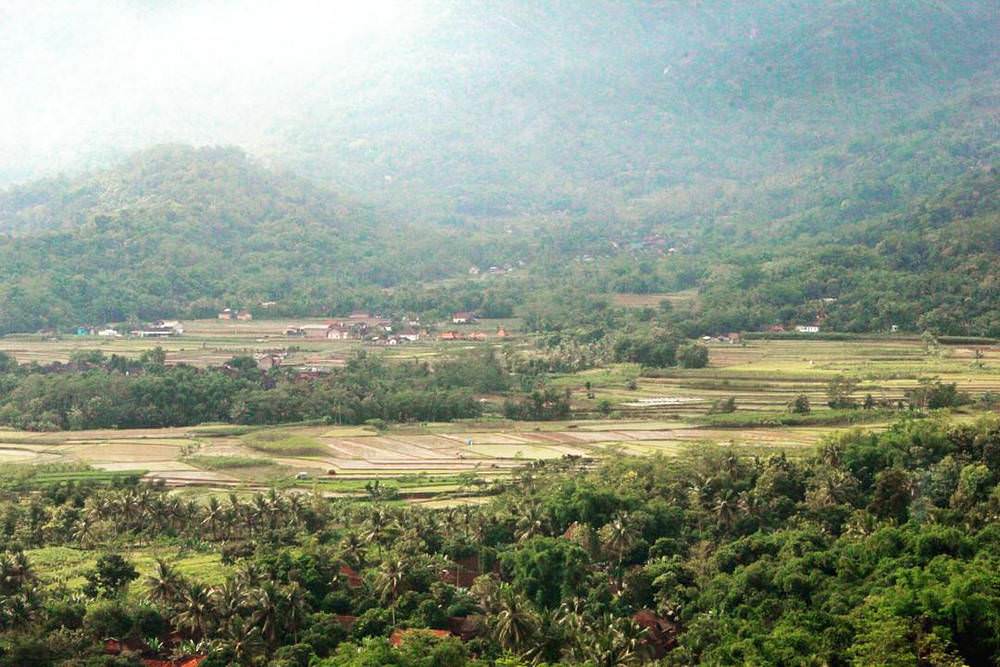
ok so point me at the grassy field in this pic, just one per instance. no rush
(284, 443)
(66, 566)
(654, 300)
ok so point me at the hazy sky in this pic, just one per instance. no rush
(79, 78)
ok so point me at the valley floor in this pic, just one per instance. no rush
(665, 412)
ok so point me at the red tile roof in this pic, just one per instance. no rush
(661, 634)
(351, 575)
(462, 572)
(465, 628)
(192, 661)
(346, 621)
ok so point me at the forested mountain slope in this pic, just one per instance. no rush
(933, 266)
(516, 107)
(176, 231)
(182, 231)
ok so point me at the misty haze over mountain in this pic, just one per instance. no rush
(501, 105)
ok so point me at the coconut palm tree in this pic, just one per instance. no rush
(236, 510)
(16, 573)
(553, 635)
(196, 610)
(267, 611)
(229, 599)
(619, 537)
(378, 527)
(609, 642)
(700, 489)
(274, 508)
(249, 575)
(352, 549)
(213, 513)
(514, 622)
(243, 640)
(294, 509)
(531, 521)
(257, 511)
(725, 507)
(296, 608)
(165, 585)
(391, 580)
(751, 504)
(20, 609)
(84, 532)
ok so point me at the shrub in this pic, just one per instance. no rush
(693, 356)
(723, 406)
(800, 405)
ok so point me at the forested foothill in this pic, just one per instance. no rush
(877, 549)
(929, 266)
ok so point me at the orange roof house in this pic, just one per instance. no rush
(351, 576)
(192, 661)
(465, 628)
(661, 634)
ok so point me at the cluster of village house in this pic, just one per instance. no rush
(379, 330)
(724, 338)
(493, 270)
(650, 242)
(800, 328)
(357, 326)
(234, 314)
(658, 638)
(158, 329)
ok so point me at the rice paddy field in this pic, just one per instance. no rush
(764, 375)
(420, 461)
(662, 412)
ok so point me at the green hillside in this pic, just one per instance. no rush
(180, 231)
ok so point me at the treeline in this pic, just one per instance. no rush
(880, 548)
(95, 391)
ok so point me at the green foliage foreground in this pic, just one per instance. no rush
(881, 549)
